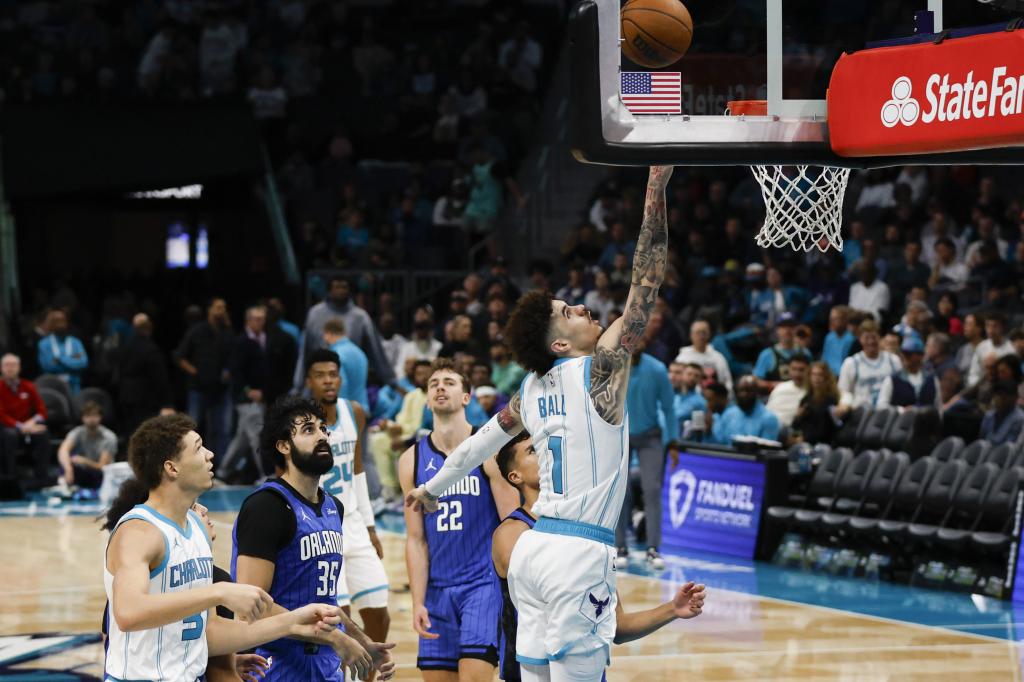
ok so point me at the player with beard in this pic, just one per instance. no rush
(288, 541)
(448, 554)
(518, 464)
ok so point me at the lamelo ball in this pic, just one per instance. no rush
(655, 33)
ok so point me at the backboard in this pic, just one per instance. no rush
(781, 51)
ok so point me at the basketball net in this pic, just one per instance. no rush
(803, 204)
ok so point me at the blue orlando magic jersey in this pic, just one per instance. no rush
(305, 572)
(582, 459)
(459, 532)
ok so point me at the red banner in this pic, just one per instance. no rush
(961, 94)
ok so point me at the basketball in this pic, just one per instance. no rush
(656, 33)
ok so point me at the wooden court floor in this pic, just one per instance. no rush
(51, 582)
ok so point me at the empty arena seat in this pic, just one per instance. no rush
(1003, 456)
(897, 435)
(822, 484)
(975, 453)
(948, 448)
(966, 506)
(996, 519)
(936, 502)
(847, 436)
(58, 412)
(849, 490)
(872, 434)
(54, 383)
(903, 501)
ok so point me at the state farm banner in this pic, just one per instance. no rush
(960, 94)
(712, 504)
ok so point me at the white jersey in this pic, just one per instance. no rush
(344, 436)
(176, 651)
(583, 459)
(860, 378)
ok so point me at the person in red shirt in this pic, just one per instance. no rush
(22, 420)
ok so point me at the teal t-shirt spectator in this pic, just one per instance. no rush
(735, 422)
(353, 235)
(836, 349)
(354, 370)
(768, 360)
(64, 356)
(650, 401)
(686, 404)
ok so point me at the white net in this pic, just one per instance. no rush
(803, 206)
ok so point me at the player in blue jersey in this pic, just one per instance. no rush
(289, 541)
(517, 462)
(448, 553)
(573, 402)
(158, 571)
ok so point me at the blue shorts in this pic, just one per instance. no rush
(466, 618)
(295, 660)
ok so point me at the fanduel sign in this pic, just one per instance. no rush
(963, 93)
(713, 504)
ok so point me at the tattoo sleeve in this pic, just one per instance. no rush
(609, 372)
(510, 417)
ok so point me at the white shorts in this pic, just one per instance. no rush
(362, 582)
(564, 589)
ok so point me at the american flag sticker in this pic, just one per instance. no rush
(645, 92)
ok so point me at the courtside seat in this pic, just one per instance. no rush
(822, 484)
(997, 515)
(947, 449)
(942, 500)
(906, 495)
(850, 489)
(1002, 456)
(897, 435)
(871, 436)
(847, 436)
(975, 452)
(967, 506)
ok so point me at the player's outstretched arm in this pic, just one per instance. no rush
(133, 549)
(311, 621)
(687, 603)
(609, 371)
(485, 443)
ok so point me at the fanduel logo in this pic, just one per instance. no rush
(680, 481)
(955, 101)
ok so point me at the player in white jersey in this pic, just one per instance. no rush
(363, 582)
(158, 571)
(562, 573)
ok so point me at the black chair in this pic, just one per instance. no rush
(102, 398)
(847, 436)
(1003, 456)
(897, 436)
(996, 520)
(934, 500)
(849, 491)
(822, 484)
(58, 412)
(975, 453)
(947, 449)
(903, 501)
(967, 506)
(54, 383)
(939, 505)
(872, 434)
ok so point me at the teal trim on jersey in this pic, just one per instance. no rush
(562, 361)
(351, 412)
(578, 529)
(343, 596)
(531, 661)
(186, 531)
(586, 372)
(357, 595)
(202, 527)
(564, 651)
(618, 472)
(167, 545)
(522, 394)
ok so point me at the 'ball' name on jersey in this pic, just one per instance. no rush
(320, 542)
(190, 570)
(551, 406)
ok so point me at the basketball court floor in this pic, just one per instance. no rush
(760, 623)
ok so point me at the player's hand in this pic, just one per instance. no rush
(419, 499)
(315, 621)
(353, 656)
(251, 667)
(249, 602)
(421, 623)
(689, 601)
(382, 661)
(375, 541)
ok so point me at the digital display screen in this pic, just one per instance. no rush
(713, 504)
(178, 253)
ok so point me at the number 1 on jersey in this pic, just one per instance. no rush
(555, 445)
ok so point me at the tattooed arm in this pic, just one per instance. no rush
(485, 443)
(609, 371)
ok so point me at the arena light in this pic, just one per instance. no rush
(183, 192)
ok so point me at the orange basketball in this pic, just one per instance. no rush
(655, 33)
